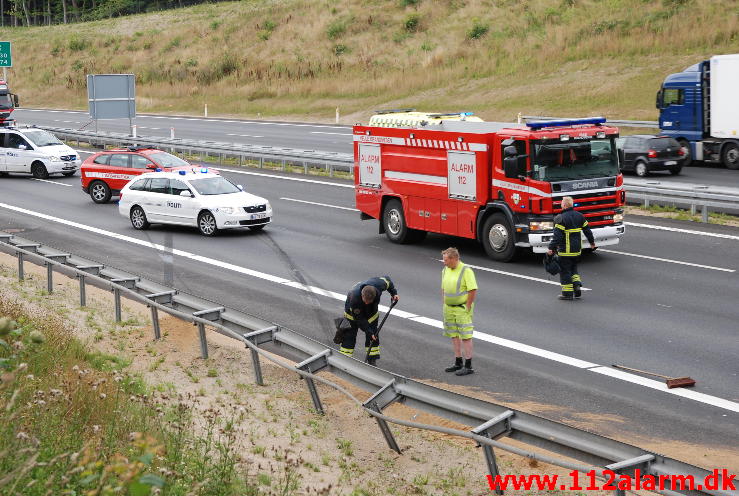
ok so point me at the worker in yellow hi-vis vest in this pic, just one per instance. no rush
(458, 289)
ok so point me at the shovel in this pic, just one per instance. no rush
(672, 382)
(377, 333)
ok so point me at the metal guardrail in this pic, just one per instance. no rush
(489, 422)
(618, 122)
(692, 196)
(332, 162)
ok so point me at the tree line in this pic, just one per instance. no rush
(15, 13)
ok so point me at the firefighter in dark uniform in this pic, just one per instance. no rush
(361, 310)
(569, 225)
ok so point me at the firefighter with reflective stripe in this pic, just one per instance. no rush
(569, 226)
(361, 310)
(458, 290)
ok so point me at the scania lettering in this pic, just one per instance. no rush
(501, 184)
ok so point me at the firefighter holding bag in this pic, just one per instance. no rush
(361, 311)
(569, 226)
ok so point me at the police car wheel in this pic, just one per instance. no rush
(207, 224)
(498, 238)
(39, 171)
(138, 218)
(100, 192)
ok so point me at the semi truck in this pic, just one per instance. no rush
(699, 107)
(501, 184)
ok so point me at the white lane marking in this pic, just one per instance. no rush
(550, 355)
(274, 176)
(338, 134)
(513, 274)
(244, 135)
(685, 231)
(319, 204)
(52, 182)
(661, 386)
(668, 260)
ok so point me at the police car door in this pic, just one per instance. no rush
(181, 209)
(156, 198)
(18, 156)
(3, 151)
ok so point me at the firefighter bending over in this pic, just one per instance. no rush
(361, 310)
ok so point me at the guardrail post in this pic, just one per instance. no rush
(212, 314)
(127, 282)
(163, 297)
(314, 364)
(33, 247)
(496, 427)
(21, 275)
(93, 269)
(704, 214)
(261, 162)
(50, 270)
(256, 338)
(377, 402)
(642, 461)
(646, 201)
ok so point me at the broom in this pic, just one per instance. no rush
(672, 382)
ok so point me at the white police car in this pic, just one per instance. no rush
(34, 151)
(192, 198)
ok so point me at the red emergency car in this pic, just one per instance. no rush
(105, 173)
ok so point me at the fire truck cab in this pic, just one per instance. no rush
(8, 102)
(501, 184)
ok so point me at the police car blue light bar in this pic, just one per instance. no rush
(566, 122)
(157, 170)
(182, 173)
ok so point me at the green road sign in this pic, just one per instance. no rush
(6, 60)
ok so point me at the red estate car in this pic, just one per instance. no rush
(105, 173)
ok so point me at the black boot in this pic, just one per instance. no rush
(373, 361)
(457, 365)
(467, 369)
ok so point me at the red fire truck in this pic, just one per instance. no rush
(499, 183)
(8, 101)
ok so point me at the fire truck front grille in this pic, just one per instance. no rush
(594, 206)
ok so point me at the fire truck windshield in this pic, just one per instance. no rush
(557, 161)
(5, 102)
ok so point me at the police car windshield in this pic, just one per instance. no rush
(557, 161)
(41, 138)
(165, 159)
(214, 186)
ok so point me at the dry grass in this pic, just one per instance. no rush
(289, 58)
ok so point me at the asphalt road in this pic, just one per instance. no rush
(662, 300)
(286, 134)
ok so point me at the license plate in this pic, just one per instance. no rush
(258, 216)
(671, 162)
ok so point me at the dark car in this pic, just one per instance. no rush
(644, 153)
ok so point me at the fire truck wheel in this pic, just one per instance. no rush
(100, 192)
(396, 229)
(39, 171)
(498, 238)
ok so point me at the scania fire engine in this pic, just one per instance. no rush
(8, 101)
(501, 184)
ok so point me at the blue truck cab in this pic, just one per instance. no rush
(696, 107)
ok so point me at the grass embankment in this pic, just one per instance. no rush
(286, 58)
(71, 422)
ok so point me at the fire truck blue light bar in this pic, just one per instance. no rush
(566, 122)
